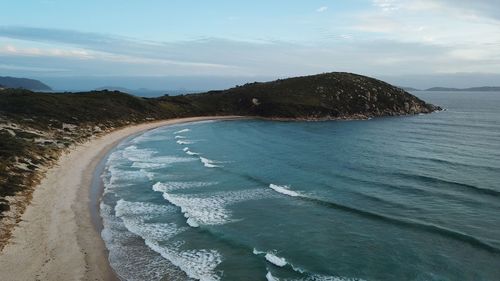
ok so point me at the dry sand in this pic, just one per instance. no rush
(56, 239)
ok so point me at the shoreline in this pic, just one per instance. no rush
(57, 238)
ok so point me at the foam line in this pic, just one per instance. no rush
(182, 131)
(284, 190)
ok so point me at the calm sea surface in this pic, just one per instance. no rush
(400, 198)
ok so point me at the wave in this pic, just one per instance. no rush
(270, 277)
(135, 214)
(177, 185)
(282, 262)
(257, 252)
(144, 158)
(160, 162)
(180, 137)
(183, 142)
(197, 264)
(149, 137)
(189, 152)
(419, 225)
(146, 165)
(208, 163)
(330, 278)
(114, 177)
(454, 163)
(127, 208)
(271, 257)
(210, 210)
(130, 258)
(182, 131)
(430, 179)
(284, 190)
(274, 259)
(133, 153)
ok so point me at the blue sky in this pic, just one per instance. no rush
(248, 39)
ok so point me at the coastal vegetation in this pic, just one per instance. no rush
(35, 128)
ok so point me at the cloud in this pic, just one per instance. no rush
(398, 51)
(387, 5)
(30, 68)
(12, 50)
(322, 9)
(103, 46)
(477, 9)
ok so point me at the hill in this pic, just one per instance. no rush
(323, 96)
(24, 83)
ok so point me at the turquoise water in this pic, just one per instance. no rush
(400, 198)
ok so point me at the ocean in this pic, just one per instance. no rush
(396, 198)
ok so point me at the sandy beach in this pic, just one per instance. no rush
(56, 239)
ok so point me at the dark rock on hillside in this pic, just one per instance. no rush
(24, 83)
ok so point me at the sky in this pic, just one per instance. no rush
(134, 43)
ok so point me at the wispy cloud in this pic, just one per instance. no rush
(31, 68)
(322, 9)
(13, 50)
(387, 5)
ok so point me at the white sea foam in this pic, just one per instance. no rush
(126, 208)
(133, 153)
(210, 210)
(208, 163)
(257, 252)
(182, 131)
(135, 214)
(160, 162)
(281, 262)
(331, 278)
(129, 256)
(147, 165)
(185, 149)
(180, 137)
(270, 277)
(179, 185)
(184, 142)
(284, 190)
(274, 259)
(148, 138)
(116, 177)
(191, 153)
(198, 264)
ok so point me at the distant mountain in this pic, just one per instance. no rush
(24, 83)
(472, 89)
(144, 92)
